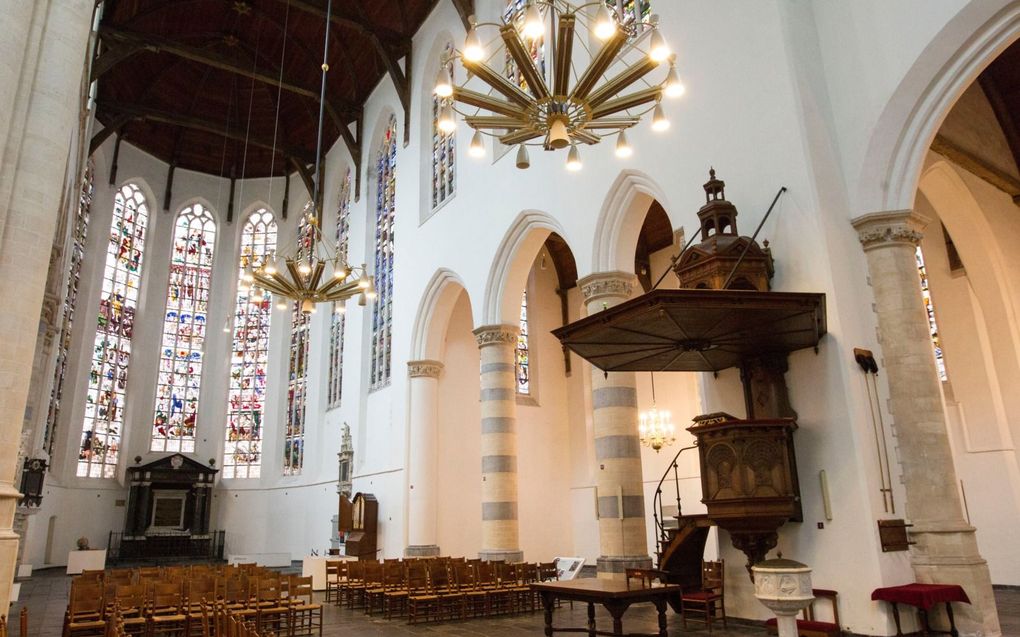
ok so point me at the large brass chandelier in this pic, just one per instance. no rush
(315, 272)
(655, 426)
(596, 56)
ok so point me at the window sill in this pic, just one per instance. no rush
(527, 400)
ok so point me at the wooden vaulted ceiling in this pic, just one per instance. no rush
(1001, 83)
(189, 81)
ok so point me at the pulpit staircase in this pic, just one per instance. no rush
(680, 539)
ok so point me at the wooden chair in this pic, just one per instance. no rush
(130, 608)
(710, 600)
(333, 578)
(451, 600)
(811, 626)
(476, 602)
(85, 609)
(306, 614)
(271, 611)
(422, 603)
(167, 615)
(394, 594)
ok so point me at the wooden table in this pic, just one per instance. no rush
(613, 594)
(923, 597)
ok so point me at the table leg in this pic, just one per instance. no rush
(660, 605)
(925, 629)
(896, 618)
(617, 609)
(548, 602)
(952, 621)
(591, 619)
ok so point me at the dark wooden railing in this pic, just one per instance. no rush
(661, 537)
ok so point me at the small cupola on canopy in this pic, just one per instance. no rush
(723, 259)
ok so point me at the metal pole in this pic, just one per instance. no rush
(753, 237)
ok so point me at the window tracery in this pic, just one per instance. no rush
(521, 355)
(184, 328)
(443, 148)
(242, 454)
(382, 308)
(297, 380)
(338, 320)
(99, 450)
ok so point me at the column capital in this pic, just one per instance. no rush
(501, 334)
(424, 369)
(878, 229)
(615, 284)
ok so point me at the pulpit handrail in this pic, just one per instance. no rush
(657, 509)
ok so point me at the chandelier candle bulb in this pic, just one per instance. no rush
(659, 52)
(281, 303)
(534, 28)
(623, 147)
(270, 266)
(574, 160)
(523, 161)
(473, 51)
(307, 306)
(660, 122)
(558, 135)
(605, 23)
(477, 148)
(447, 123)
(674, 87)
(444, 88)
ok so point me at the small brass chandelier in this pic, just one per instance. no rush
(573, 108)
(655, 427)
(316, 272)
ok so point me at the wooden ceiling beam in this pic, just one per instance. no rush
(147, 113)
(136, 42)
(305, 174)
(115, 126)
(465, 9)
(357, 23)
(978, 166)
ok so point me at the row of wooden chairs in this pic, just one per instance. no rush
(436, 589)
(215, 623)
(175, 608)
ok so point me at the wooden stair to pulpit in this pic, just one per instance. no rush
(682, 547)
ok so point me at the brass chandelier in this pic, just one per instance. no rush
(655, 426)
(315, 273)
(573, 107)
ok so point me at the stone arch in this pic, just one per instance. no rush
(433, 316)
(510, 267)
(619, 223)
(895, 154)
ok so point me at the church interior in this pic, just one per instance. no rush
(701, 316)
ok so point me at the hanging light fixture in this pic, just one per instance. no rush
(316, 272)
(571, 108)
(477, 148)
(655, 427)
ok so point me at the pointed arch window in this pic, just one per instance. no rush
(523, 360)
(382, 309)
(79, 233)
(443, 149)
(536, 46)
(99, 450)
(338, 321)
(929, 307)
(184, 324)
(297, 384)
(246, 402)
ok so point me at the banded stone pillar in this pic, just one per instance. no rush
(40, 87)
(618, 477)
(422, 503)
(946, 550)
(500, 534)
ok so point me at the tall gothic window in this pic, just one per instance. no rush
(111, 352)
(536, 47)
(246, 403)
(297, 383)
(382, 309)
(76, 252)
(184, 323)
(336, 326)
(443, 149)
(929, 307)
(523, 361)
(632, 11)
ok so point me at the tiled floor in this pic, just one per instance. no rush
(45, 595)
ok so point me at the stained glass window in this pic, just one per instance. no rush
(523, 361)
(184, 323)
(443, 151)
(936, 339)
(242, 453)
(336, 326)
(632, 11)
(63, 342)
(297, 383)
(514, 12)
(382, 308)
(111, 351)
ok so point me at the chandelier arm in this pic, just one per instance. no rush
(298, 280)
(345, 291)
(271, 284)
(564, 51)
(520, 136)
(514, 46)
(610, 123)
(585, 136)
(599, 64)
(474, 98)
(498, 122)
(498, 82)
(622, 81)
(628, 101)
(313, 281)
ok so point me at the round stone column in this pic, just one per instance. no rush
(618, 477)
(422, 505)
(500, 533)
(37, 140)
(946, 549)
